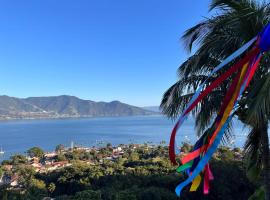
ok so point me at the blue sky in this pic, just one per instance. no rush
(102, 50)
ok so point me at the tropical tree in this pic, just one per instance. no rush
(35, 152)
(233, 24)
(59, 148)
(18, 159)
(51, 188)
(26, 175)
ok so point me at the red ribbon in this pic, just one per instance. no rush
(251, 55)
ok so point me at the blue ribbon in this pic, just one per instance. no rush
(264, 42)
(219, 67)
(205, 159)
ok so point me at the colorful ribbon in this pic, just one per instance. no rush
(196, 162)
(198, 96)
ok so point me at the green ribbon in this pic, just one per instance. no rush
(185, 166)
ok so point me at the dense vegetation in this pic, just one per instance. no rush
(143, 173)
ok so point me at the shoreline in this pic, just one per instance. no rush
(74, 117)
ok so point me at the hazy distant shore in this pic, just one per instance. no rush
(64, 106)
(73, 117)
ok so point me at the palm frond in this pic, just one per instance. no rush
(247, 17)
(258, 102)
(197, 64)
(195, 33)
(253, 142)
(238, 5)
(252, 148)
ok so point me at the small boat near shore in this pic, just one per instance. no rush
(1, 151)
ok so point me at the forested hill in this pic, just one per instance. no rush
(63, 106)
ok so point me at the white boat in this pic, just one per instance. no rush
(1, 151)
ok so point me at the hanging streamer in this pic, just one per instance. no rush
(196, 162)
(199, 96)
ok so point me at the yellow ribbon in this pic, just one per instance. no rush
(195, 183)
(231, 103)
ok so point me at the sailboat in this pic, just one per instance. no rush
(1, 151)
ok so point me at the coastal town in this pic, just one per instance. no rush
(46, 162)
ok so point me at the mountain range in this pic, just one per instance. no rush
(64, 106)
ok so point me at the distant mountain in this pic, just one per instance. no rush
(63, 107)
(152, 108)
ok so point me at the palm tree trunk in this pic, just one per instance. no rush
(266, 161)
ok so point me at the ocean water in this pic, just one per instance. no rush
(17, 136)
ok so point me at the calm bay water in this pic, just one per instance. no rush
(19, 135)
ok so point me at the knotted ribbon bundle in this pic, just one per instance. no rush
(195, 164)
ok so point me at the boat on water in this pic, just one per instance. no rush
(1, 151)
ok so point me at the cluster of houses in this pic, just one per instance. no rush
(49, 162)
(12, 178)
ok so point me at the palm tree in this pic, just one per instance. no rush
(234, 23)
(51, 188)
